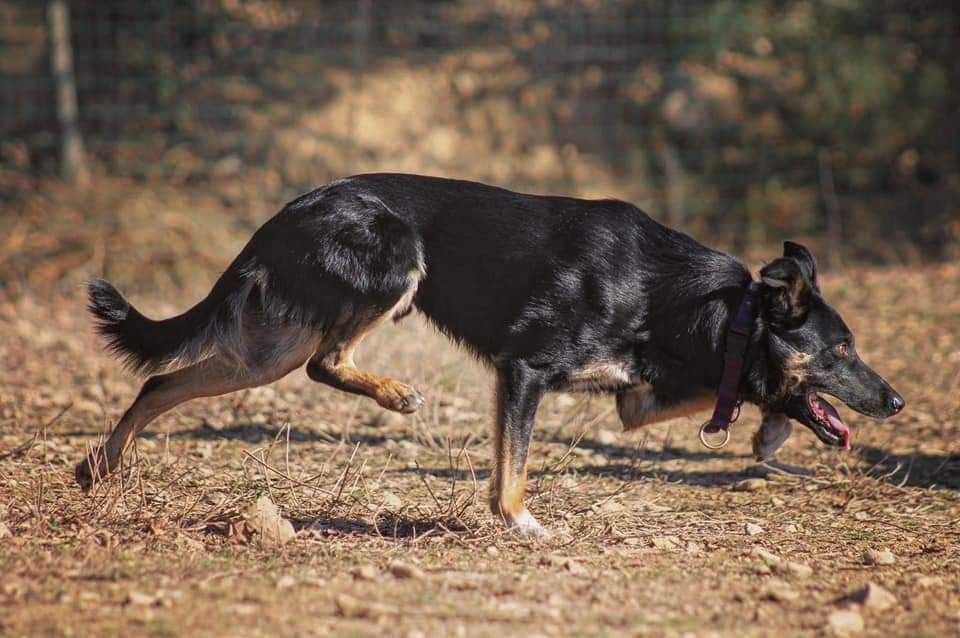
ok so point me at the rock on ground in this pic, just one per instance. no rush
(845, 622)
(873, 596)
(879, 557)
(264, 522)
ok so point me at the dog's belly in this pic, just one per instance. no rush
(638, 406)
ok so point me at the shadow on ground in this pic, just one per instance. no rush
(387, 526)
(913, 470)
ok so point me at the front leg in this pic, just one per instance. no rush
(773, 433)
(519, 390)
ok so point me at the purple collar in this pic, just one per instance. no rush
(727, 409)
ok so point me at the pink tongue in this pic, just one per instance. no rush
(835, 422)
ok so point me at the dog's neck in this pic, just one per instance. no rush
(753, 379)
(707, 318)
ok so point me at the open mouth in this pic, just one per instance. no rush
(827, 422)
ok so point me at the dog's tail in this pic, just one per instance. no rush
(147, 346)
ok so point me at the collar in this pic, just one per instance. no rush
(727, 409)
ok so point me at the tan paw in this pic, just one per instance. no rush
(401, 398)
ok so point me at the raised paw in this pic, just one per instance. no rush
(401, 398)
(773, 433)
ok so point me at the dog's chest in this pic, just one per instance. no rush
(607, 375)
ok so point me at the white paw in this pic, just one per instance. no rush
(525, 525)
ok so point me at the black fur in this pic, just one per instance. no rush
(543, 285)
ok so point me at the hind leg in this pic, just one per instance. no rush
(333, 365)
(161, 393)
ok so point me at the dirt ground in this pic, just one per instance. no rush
(393, 533)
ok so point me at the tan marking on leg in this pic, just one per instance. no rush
(338, 365)
(508, 485)
(387, 392)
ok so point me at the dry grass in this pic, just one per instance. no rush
(659, 540)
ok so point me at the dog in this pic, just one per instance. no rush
(553, 293)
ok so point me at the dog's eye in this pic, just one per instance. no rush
(841, 350)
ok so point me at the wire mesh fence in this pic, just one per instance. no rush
(748, 119)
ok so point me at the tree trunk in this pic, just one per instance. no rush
(73, 161)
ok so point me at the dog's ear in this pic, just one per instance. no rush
(805, 258)
(786, 292)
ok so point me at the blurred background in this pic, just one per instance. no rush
(146, 140)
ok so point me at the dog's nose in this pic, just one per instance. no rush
(896, 402)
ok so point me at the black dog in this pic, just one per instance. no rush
(554, 293)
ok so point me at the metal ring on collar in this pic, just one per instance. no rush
(713, 446)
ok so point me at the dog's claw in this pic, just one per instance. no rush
(406, 403)
(411, 403)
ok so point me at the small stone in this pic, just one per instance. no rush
(492, 550)
(753, 529)
(873, 596)
(140, 599)
(365, 572)
(575, 568)
(611, 507)
(350, 607)
(388, 419)
(845, 622)
(666, 543)
(694, 548)
(750, 485)
(777, 501)
(926, 582)
(315, 581)
(781, 592)
(878, 557)
(797, 570)
(286, 582)
(264, 520)
(403, 570)
(763, 569)
(4, 530)
(790, 528)
(391, 501)
(244, 609)
(564, 562)
(766, 556)
(606, 437)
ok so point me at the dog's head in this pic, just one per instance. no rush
(812, 352)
